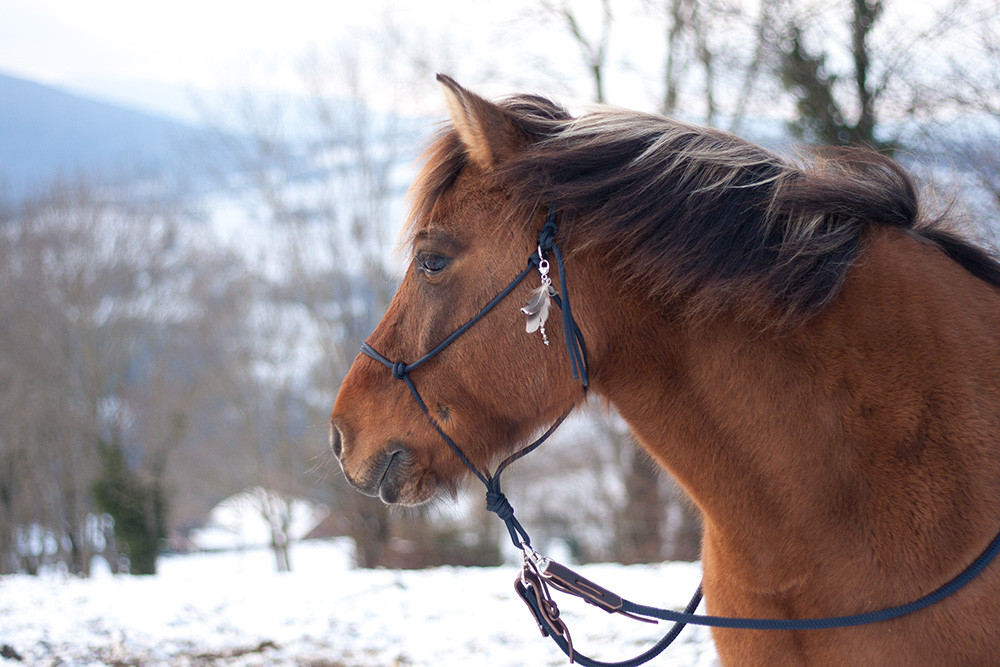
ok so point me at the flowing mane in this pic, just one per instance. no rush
(690, 212)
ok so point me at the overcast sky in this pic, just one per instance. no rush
(99, 45)
(128, 50)
(197, 42)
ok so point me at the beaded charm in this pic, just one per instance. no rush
(537, 308)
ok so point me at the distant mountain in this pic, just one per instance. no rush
(45, 131)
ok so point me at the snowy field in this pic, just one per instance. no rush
(233, 610)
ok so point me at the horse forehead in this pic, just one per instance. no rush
(472, 199)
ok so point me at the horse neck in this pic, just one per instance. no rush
(842, 433)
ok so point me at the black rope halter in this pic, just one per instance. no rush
(496, 501)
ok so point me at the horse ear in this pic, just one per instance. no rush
(487, 132)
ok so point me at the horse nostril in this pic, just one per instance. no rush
(336, 443)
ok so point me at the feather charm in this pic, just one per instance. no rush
(537, 308)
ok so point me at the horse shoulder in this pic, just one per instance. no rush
(908, 355)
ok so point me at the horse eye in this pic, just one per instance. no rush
(430, 263)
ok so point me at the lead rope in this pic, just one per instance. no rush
(539, 574)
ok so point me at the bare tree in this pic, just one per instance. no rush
(765, 30)
(79, 285)
(593, 49)
(687, 44)
(840, 100)
(118, 311)
(322, 181)
(972, 87)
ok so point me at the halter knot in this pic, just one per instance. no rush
(497, 503)
(399, 370)
(547, 235)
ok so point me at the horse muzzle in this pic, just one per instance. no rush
(386, 474)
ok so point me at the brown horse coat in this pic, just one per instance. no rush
(813, 360)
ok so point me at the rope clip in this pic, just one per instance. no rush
(533, 560)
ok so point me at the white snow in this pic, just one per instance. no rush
(232, 609)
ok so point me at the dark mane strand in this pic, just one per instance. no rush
(977, 261)
(691, 212)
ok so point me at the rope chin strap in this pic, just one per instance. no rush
(540, 574)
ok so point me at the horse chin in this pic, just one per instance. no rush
(402, 485)
(419, 495)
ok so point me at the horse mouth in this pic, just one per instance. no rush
(393, 479)
(392, 473)
(388, 475)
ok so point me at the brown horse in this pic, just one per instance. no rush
(816, 361)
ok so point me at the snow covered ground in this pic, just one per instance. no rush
(233, 610)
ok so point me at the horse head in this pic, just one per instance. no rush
(496, 384)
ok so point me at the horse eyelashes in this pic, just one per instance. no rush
(537, 309)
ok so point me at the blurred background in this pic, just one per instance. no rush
(199, 209)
